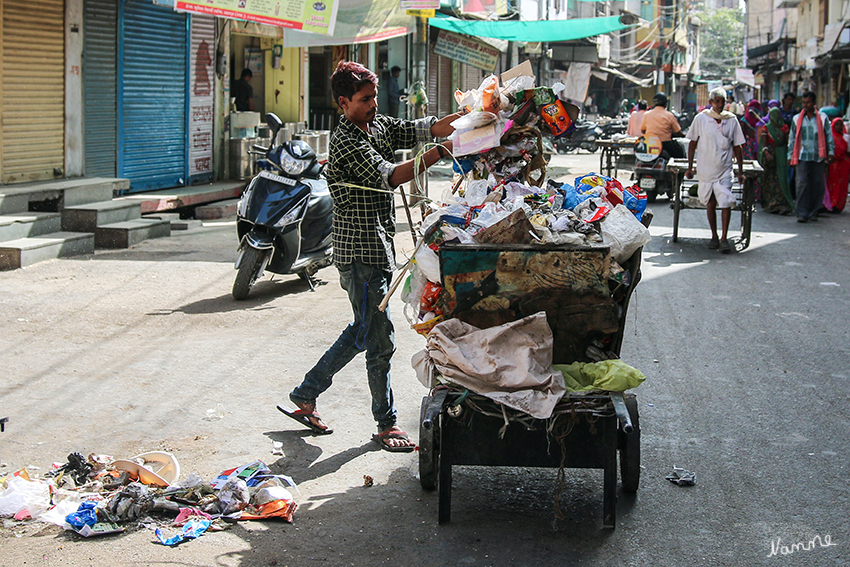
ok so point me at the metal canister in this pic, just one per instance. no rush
(324, 140)
(284, 134)
(241, 162)
(311, 138)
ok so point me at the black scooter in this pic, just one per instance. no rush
(583, 137)
(285, 216)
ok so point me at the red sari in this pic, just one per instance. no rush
(839, 171)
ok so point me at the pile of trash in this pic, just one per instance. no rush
(501, 196)
(99, 495)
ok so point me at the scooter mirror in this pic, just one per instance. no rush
(273, 123)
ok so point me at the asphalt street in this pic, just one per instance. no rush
(747, 364)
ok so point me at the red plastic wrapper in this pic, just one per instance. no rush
(597, 214)
(430, 297)
(613, 192)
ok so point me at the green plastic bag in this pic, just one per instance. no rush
(610, 375)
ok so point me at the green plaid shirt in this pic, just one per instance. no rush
(364, 220)
(809, 133)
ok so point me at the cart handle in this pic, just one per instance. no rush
(622, 412)
(433, 408)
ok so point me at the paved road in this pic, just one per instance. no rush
(746, 356)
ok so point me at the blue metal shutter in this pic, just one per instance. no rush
(152, 95)
(100, 86)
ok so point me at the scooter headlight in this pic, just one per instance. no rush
(291, 217)
(293, 166)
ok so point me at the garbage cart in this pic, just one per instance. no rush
(492, 284)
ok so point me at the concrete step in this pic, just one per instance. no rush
(86, 218)
(219, 210)
(59, 193)
(127, 233)
(23, 252)
(22, 225)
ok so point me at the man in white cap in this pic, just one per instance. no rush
(718, 135)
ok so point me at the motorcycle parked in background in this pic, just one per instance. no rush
(583, 137)
(650, 171)
(285, 216)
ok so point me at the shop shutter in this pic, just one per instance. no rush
(100, 86)
(152, 117)
(440, 88)
(471, 77)
(33, 91)
(201, 89)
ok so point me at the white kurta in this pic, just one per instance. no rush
(714, 152)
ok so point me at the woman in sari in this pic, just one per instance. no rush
(839, 170)
(773, 157)
(762, 124)
(749, 123)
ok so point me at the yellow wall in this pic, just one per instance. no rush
(283, 85)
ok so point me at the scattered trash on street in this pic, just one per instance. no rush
(682, 477)
(99, 495)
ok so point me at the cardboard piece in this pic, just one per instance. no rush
(523, 68)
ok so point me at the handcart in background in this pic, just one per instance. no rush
(684, 196)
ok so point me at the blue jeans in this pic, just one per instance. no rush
(810, 188)
(372, 331)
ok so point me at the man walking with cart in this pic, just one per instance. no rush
(718, 134)
(362, 177)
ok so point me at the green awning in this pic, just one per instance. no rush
(531, 31)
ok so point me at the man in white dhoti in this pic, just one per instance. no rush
(718, 135)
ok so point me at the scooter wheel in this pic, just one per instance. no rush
(249, 269)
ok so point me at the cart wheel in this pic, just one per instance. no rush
(630, 450)
(429, 446)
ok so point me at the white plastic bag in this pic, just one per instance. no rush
(22, 494)
(428, 261)
(623, 233)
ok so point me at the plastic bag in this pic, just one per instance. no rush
(21, 494)
(429, 262)
(475, 119)
(635, 200)
(623, 233)
(609, 375)
(476, 192)
(475, 141)
(85, 515)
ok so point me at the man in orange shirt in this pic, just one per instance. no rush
(662, 124)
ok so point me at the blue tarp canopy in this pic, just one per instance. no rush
(531, 31)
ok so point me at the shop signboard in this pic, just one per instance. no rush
(310, 16)
(467, 50)
(420, 5)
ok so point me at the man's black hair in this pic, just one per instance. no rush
(786, 95)
(811, 95)
(246, 73)
(642, 104)
(395, 68)
(349, 77)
